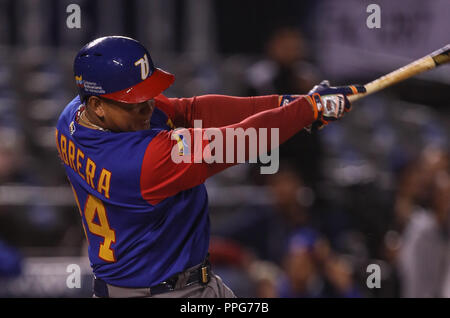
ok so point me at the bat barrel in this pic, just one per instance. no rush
(426, 63)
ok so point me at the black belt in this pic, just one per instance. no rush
(200, 275)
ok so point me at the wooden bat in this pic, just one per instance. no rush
(426, 63)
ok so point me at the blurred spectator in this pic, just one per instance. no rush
(266, 230)
(303, 278)
(24, 221)
(265, 276)
(10, 261)
(291, 197)
(231, 261)
(390, 285)
(423, 259)
(10, 171)
(11, 157)
(339, 275)
(313, 270)
(229, 252)
(414, 188)
(284, 70)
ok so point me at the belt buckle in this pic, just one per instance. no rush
(163, 287)
(171, 282)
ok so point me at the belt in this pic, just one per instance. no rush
(200, 274)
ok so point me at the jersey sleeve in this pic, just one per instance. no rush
(218, 110)
(170, 166)
(178, 160)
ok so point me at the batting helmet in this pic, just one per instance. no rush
(118, 68)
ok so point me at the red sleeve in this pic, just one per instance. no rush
(217, 110)
(162, 176)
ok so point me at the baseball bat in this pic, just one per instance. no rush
(421, 65)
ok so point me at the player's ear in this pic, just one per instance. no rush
(96, 105)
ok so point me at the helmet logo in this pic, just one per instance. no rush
(79, 80)
(145, 69)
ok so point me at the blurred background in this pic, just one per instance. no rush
(371, 189)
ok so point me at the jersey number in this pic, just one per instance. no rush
(94, 207)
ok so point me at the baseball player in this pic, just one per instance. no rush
(144, 214)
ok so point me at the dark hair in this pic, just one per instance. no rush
(85, 99)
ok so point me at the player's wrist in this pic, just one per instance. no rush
(314, 106)
(283, 100)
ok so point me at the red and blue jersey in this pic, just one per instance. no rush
(145, 216)
(134, 239)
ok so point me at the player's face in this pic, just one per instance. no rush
(122, 117)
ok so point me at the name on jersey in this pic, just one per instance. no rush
(84, 166)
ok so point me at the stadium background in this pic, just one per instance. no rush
(371, 189)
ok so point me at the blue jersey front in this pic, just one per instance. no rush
(139, 233)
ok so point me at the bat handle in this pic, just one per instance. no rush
(354, 98)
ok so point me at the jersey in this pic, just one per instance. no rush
(132, 242)
(146, 216)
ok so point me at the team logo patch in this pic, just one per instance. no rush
(170, 124)
(79, 80)
(183, 148)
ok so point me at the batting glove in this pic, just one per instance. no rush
(331, 103)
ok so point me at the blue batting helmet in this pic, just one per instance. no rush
(118, 68)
